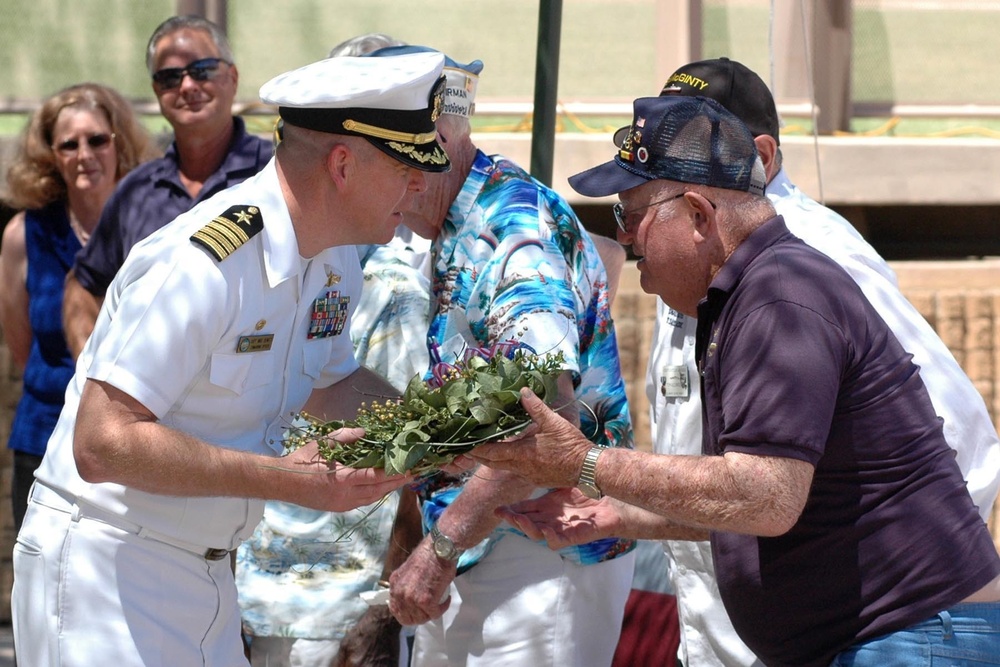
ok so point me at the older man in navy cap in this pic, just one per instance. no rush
(840, 524)
(216, 331)
(673, 383)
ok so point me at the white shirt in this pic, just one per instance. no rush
(672, 386)
(168, 336)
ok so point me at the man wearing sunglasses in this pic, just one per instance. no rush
(194, 78)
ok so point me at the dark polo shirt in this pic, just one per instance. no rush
(796, 363)
(150, 196)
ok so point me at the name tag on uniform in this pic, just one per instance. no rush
(674, 382)
(261, 343)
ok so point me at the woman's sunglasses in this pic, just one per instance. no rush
(95, 141)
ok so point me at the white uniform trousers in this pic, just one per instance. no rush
(88, 593)
(523, 604)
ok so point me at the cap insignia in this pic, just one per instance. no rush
(230, 230)
(633, 139)
(436, 101)
(437, 156)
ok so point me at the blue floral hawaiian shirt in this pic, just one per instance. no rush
(513, 262)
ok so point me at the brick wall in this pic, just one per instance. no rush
(960, 299)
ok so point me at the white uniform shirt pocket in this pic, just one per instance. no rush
(241, 372)
(316, 355)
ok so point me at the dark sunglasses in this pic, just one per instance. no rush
(95, 141)
(199, 70)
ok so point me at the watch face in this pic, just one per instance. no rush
(443, 548)
(590, 490)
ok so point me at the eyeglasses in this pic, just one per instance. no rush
(95, 141)
(621, 214)
(200, 70)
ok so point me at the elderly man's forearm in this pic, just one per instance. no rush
(741, 493)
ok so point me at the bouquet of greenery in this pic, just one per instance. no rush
(472, 401)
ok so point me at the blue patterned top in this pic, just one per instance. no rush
(51, 246)
(512, 261)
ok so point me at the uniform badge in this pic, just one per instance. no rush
(259, 343)
(632, 140)
(329, 315)
(436, 101)
(674, 382)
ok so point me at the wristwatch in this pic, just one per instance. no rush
(444, 547)
(587, 483)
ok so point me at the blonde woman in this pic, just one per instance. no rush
(76, 147)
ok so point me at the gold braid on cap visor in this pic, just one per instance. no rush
(389, 135)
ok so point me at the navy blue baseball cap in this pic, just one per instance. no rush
(679, 138)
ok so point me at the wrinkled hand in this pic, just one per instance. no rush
(550, 455)
(372, 642)
(563, 518)
(417, 587)
(458, 465)
(333, 487)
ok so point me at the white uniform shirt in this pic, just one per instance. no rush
(672, 386)
(168, 336)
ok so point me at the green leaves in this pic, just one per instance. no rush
(462, 405)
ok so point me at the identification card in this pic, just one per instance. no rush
(674, 382)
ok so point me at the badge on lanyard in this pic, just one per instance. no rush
(329, 315)
(674, 382)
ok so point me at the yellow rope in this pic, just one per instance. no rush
(567, 121)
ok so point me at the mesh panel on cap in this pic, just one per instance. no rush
(696, 144)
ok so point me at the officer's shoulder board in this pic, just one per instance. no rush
(228, 231)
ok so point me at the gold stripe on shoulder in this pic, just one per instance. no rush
(227, 232)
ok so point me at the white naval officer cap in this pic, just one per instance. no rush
(392, 102)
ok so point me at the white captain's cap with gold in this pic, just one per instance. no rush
(392, 102)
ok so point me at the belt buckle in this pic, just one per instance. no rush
(216, 554)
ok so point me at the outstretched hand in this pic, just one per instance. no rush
(563, 518)
(333, 487)
(551, 454)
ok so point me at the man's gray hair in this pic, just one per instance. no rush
(191, 22)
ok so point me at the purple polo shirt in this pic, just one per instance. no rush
(796, 363)
(150, 196)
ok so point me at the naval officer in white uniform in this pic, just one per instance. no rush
(218, 329)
